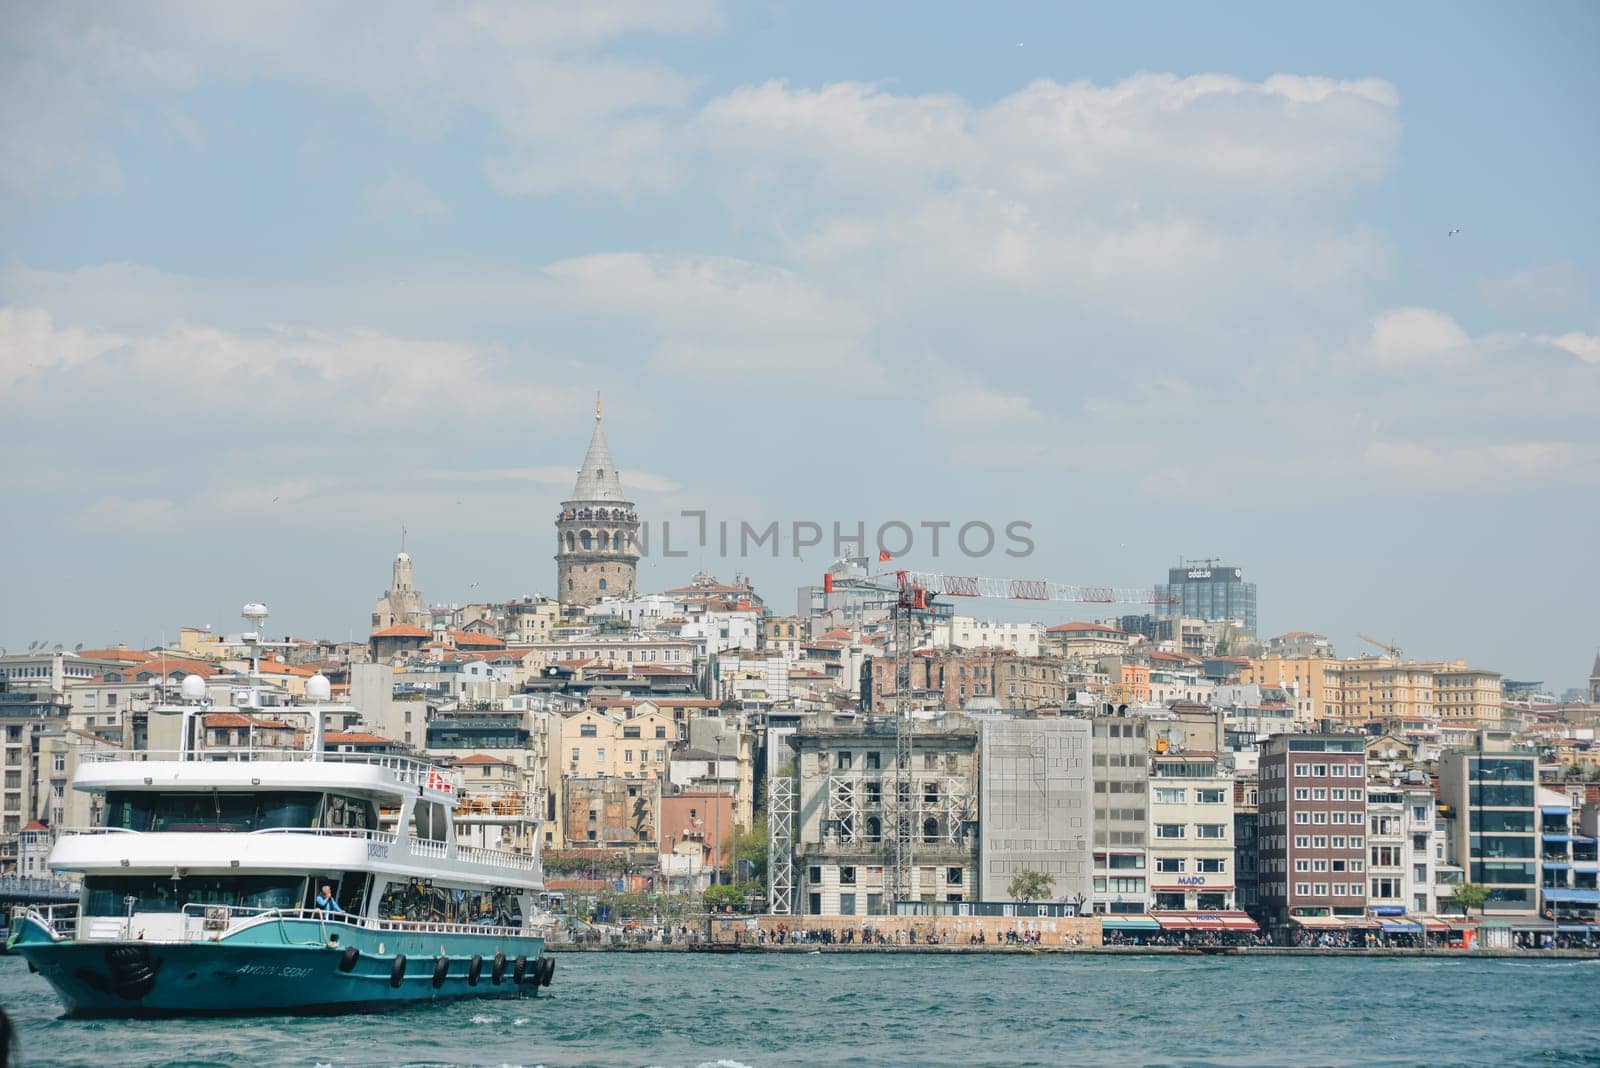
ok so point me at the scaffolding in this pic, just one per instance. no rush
(957, 799)
(902, 798)
(843, 807)
(780, 845)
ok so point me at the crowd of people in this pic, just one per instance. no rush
(1185, 939)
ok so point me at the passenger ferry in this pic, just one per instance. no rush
(203, 885)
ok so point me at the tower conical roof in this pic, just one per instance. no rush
(597, 478)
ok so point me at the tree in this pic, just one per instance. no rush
(726, 895)
(750, 847)
(1470, 896)
(1030, 885)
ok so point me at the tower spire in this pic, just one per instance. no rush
(597, 405)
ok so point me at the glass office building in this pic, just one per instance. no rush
(1209, 589)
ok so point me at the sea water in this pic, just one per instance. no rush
(935, 1009)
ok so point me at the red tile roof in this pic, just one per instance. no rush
(238, 719)
(35, 825)
(402, 630)
(355, 738)
(1081, 628)
(121, 652)
(463, 637)
(482, 758)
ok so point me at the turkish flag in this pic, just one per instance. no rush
(883, 556)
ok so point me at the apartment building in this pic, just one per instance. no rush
(1121, 762)
(1191, 832)
(1312, 827)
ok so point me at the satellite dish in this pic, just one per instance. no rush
(57, 648)
(78, 648)
(255, 612)
(193, 688)
(318, 688)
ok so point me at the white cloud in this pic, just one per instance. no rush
(1171, 202)
(340, 376)
(569, 117)
(710, 314)
(1153, 130)
(980, 409)
(1408, 337)
(1585, 347)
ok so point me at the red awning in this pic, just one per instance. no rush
(1205, 921)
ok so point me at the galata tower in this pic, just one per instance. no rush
(597, 532)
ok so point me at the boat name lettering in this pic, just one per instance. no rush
(284, 970)
(377, 849)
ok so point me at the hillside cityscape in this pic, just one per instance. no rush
(879, 759)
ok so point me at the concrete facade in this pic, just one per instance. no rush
(1035, 806)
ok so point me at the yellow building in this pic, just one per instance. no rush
(1376, 688)
(595, 743)
(1316, 680)
(1085, 640)
(1467, 696)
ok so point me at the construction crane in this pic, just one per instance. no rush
(938, 584)
(1389, 647)
(913, 596)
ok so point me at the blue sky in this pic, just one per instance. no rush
(1158, 280)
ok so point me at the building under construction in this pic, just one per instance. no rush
(845, 801)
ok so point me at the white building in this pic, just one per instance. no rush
(965, 632)
(1191, 833)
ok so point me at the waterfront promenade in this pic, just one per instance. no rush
(1088, 951)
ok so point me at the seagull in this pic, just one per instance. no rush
(1454, 232)
(274, 500)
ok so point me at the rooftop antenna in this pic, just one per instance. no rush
(402, 538)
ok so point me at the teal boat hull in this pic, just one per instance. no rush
(285, 967)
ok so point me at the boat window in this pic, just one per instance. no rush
(108, 895)
(349, 814)
(209, 810)
(419, 901)
(428, 821)
(349, 890)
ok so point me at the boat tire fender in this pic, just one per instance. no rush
(548, 972)
(347, 959)
(474, 969)
(519, 974)
(441, 967)
(497, 971)
(397, 971)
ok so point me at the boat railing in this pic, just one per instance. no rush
(201, 920)
(405, 769)
(417, 847)
(423, 847)
(61, 921)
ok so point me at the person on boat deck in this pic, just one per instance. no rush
(326, 901)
